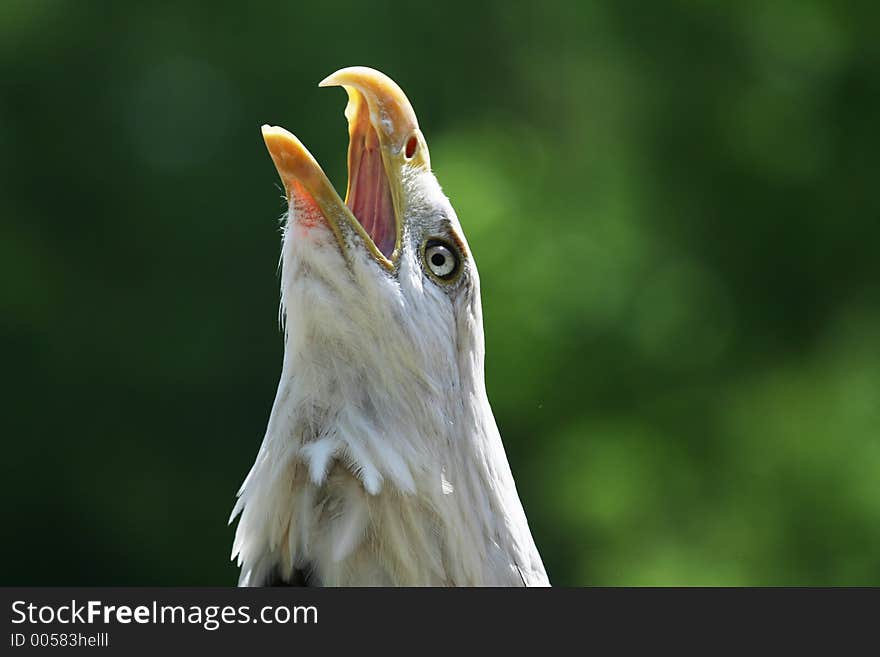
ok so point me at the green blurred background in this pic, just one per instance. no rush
(674, 207)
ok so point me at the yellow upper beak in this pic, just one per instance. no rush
(381, 118)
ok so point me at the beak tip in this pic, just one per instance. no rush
(347, 75)
(384, 97)
(279, 141)
(269, 131)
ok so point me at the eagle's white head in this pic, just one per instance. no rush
(381, 463)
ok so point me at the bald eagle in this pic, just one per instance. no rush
(382, 464)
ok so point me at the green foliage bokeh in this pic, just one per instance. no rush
(673, 207)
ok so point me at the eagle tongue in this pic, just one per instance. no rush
(369, 194)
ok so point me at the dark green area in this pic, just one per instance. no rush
(674, 207)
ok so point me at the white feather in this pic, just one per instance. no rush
(382, 463)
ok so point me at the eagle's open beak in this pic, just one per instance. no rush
(384, 139)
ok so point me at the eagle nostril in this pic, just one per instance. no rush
(411, 146)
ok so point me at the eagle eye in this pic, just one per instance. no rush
(441, 259)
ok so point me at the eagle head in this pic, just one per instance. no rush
(381, 463)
